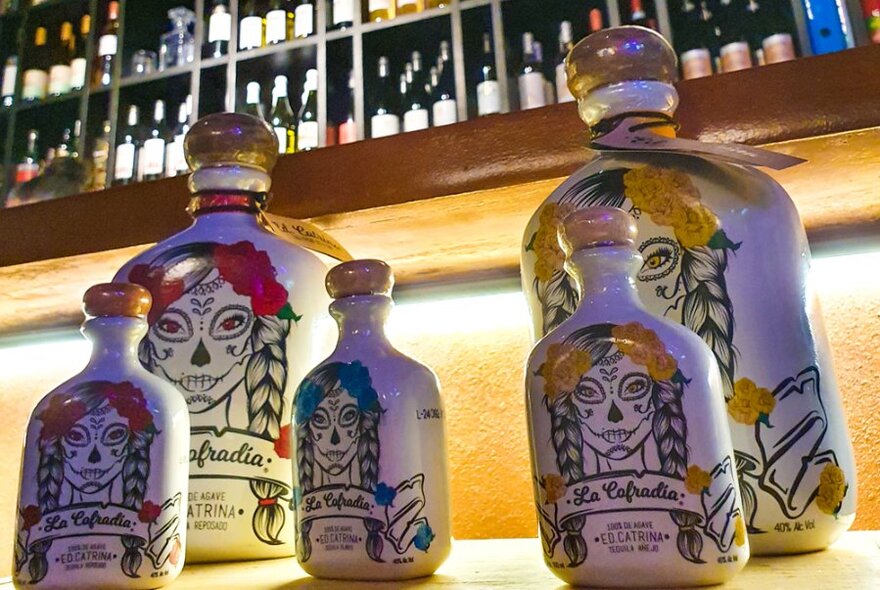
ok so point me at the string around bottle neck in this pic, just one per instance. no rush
(236, 200)
(646, 120)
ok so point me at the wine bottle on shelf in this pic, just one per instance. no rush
(252, 105)
(282, 118)
(175, 160)
(531, 79)
(415, 114)
(348, 128)
(10, 73)
(697, 40)
(126, 163)
(343, 14)
(69, 146)
(278, 22)
(777, 48)
(566, 42)
(445, 107)
(78, 63)
(36, 77)
(62, 54)
(100, 157)
(304, 19)
(488, 90)
(383, 119)
(307, 128)
(219, 29)
(379, 10)
(250, 28)
(29, 166)
(596, 23)
(407, 7)
(108, 46)
(549, 89)
(153, 150)
(638, 16)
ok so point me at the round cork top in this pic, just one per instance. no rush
(619, 54)
(117, 300)
(597, 226)
(360, 277)
(231, 139)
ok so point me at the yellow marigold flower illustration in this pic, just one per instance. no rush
(644, 347)
(550, 256)
(662, 367)
(697, 227)
(697, 480)
(750, 403)
(739, 534)
(554, 488)
(563, 369)
(832, 489)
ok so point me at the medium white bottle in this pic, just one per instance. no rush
(633, 467)
(372, 495)
(103, 496)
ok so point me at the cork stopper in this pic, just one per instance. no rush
(117, 300)
(360, 277)
(230, 151)
(594, 227)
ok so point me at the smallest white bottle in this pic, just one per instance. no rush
(103, 496)
(372, 491)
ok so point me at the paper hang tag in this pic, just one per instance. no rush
(622, 138)
(305, 234)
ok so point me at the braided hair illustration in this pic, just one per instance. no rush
(668, 429)
(352, 378)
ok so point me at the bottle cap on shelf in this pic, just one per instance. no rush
(360, 277)
(311, 80)
(117, 300)
(252, 93)
(593, 227)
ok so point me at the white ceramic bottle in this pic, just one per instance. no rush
(370, 446)
(239, 316)
(632, 462)
(103, 496)
(726, 255)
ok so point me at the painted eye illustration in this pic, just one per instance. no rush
(173, 326)
(320, 419)
(661, 258)
(78, 436)
(231, 322)
(348, 416)
(115, 434)
(589, 391)
(634, 387)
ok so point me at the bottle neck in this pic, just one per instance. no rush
(361, 318)
(605, 277)
(638, 98)
(114, 339)
(211, 204)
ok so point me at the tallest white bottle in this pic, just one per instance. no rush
(726, 255)
(237, 320)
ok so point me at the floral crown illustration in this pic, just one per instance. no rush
(248, 270)
(354, 377)
(64, 411)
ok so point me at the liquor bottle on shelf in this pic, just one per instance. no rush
(100, 157)
(127, 151)
(530, 79)
(379, 10)
(282, 118)
(871, 12)
(36, 76)
(766, 33)
(777, 48)
(638, 16)
(78, 63)
(62, 54)
(348, 128)
(549, 90)
(566, 42)
(252, 104)
(596, 20)
(444, 108)
(415, 113)
(177, 47)
(488, 90)
(219, 29)
(69, 146)
(343, 14)
(383, 119)
(697, 40)
(108, 46)
(250, 28)
(175, 160)
(10, 73)
(304, 19)
(153, 150)
(307, 128)
(29, 166)
(407, 7)
(279, 22)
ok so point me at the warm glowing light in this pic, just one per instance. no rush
(848, 272)
(38, 357)
(463, 314)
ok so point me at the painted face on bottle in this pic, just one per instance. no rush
(613, 402)
(94, 449)
(202, 342)
(658, 278)
(335, 427)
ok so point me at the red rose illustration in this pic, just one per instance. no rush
(164, 292)
(130, 403)
(250, 272)
(60, 415)
(149, 512)
(30, 516)
(282, 443)
(174, 556)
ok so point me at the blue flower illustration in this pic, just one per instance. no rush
(355, 378)
(308, 396)
(385, 494)
(424, 536)
(297, 496)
